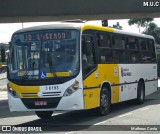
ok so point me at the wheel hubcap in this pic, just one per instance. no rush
(141, 94)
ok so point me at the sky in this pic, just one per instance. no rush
(7, 29)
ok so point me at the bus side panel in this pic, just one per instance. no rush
(115, 94)
(150, 87)
(130, 74)
(91, 98)
(92, 84)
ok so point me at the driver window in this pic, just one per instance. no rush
(87, 54)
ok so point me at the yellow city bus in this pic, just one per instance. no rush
(78, 66)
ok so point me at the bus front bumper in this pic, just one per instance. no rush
(72, 102)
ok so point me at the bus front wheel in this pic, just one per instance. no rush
(44, 114)
(105, 102)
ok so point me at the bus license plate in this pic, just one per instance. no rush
(40, 103)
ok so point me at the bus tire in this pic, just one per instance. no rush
(105, 102)
(140, 93)
(44, 114)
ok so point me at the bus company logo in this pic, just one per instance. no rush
(125, 72)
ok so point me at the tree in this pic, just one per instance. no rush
(153, 30)
(117, 26)
(140, 22)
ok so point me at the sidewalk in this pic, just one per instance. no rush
(3, 82)
(3, 95)
(3, 88)
(3, 75)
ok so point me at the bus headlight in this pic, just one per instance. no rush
(71, 89)
(11, 91)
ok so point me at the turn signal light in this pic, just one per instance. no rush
(76, 85)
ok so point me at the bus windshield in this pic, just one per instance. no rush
(44, 54)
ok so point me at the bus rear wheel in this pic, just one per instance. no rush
(44, 114)
(105, 102)
(140, 93)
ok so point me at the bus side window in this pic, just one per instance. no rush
(118, 42)
(133, 51)
(143, 44)
(104, 47)
(132, 43)
(105, 55)
(151, 47)
(145, 56)
(103, 39)
(118, 49)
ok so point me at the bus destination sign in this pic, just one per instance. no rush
(53, 35)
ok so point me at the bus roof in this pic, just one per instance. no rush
(133, 34)
(113, 30)
(82, 26)
(60, 25)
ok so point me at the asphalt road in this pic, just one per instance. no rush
(121, 115)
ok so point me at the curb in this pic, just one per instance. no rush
(2, 78)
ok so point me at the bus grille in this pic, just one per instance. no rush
(51, 94)
(29, 95)
(51, 102)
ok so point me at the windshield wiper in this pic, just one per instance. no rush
(26, 74)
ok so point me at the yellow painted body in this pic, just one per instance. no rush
(25, 91)
(106, 73)
(93, 27)
(91, 98)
